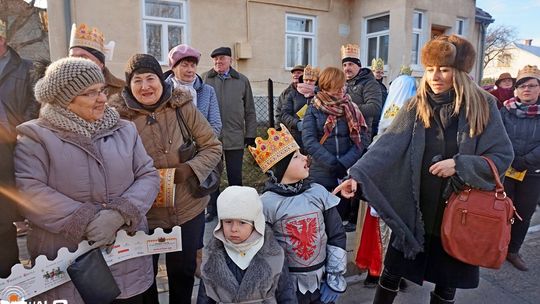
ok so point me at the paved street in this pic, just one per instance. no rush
(504, 286)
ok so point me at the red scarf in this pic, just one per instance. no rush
(335, 109)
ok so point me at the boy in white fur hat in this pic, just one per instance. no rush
(243, 263)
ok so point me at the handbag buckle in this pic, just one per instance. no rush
(503, 195)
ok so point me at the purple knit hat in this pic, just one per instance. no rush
(180, 52)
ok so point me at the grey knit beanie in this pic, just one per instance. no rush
(65, 79)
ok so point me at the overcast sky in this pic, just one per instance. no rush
(524, 15)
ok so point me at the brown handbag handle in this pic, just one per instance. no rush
(498, 185)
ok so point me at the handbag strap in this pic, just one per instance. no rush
(183, 127)
(499, 188)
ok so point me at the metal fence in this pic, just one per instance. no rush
(265, 107)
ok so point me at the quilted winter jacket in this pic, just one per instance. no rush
(67, 178)
(162, 140)
(337, 149)
(524, 134)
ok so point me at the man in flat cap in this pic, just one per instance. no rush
(239, 123)
(296, 72)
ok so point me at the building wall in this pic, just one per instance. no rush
(520, 58)
(260, 24)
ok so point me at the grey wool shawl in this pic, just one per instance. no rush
(389, 173)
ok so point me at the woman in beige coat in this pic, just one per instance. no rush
(151, 104)
(83, 174)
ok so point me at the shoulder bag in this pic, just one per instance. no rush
(187, 151)
(476, 224)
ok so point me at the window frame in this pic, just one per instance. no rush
(165, 22)
(464, 27)
(421, 32)
(378, 35)
(301, 35)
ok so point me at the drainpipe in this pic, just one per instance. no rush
(483, 27)
(67, 19)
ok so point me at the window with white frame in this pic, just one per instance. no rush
(378, 37)
(460, 28)
(300, 42)
(417, 36)
(164, 26)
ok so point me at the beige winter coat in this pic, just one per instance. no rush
(162, 140)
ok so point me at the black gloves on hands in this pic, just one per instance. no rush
(519, 163)
(249, 141)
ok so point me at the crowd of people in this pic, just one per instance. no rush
(86, 154)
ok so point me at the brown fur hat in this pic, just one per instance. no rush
(452, 51)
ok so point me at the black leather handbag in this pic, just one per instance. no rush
(187, 151)
(93, 279)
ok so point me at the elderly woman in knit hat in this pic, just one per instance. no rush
(505, 88)
(434, 145)
(84, 174)
(183, 61)
(294, 107)
(521, 117)
(167, 120)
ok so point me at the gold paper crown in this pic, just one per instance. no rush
(350, 51)
(86, 36)
(3, 29)
(311, 73)
(528, 71)
(269, 152)
(377, 64)
(405, 70)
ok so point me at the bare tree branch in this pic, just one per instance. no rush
(498, 40)
(18, 13)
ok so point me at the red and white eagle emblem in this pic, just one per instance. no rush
(304, 237)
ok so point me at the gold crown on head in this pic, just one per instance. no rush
(377, 64)
(528, 71)
(311, 73)
(269, 152)
(405, 70)
(3, 29)
(84, 35)
(350, 51)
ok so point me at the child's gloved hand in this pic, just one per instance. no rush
(327, 294)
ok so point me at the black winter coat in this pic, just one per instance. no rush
(365, 91)
(524, 134)
(293, 103)
(338, 153)
(17, 105)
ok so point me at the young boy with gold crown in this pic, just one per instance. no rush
(304, 219)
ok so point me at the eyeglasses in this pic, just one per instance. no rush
(95, 94)
(527, 86)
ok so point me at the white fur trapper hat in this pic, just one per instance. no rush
(241, 203)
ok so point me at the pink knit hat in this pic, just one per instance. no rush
(180, 52)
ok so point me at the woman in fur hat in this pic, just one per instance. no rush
(521, 117)
(243, 262)
(434, 145)
(152, 104)
(84, 174)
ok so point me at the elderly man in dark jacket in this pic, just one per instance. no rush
(364, 90)
(17, 104)
(237, 109)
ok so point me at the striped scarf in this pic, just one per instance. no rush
(335, 109)
(521, 110)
